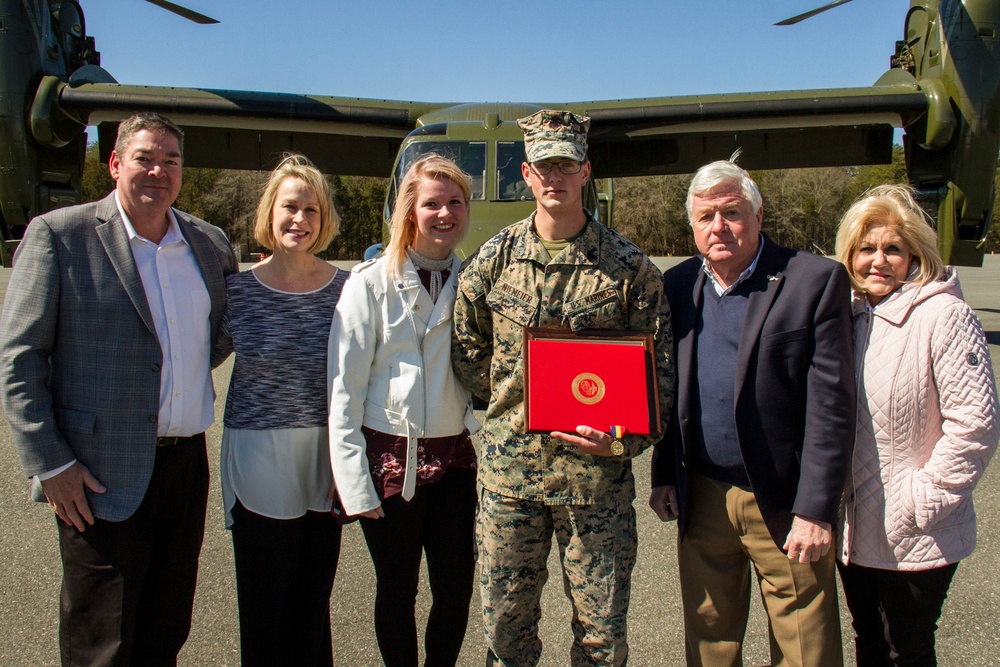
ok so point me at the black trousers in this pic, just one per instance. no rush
(284, 576)
(128, 586)
(439, 521)
(895, 613)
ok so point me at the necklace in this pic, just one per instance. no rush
(434, 266)
(425, 262)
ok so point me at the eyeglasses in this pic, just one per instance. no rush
(568, 167)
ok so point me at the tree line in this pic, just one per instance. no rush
(802, 207)
(228, 199)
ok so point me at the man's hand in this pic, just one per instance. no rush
(663, 501)
(588, 441)
(808, 540)
(65, 493)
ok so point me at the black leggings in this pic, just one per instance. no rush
(438, 521)
(284, 576)
(895, 613)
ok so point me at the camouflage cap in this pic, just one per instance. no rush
(549, 133)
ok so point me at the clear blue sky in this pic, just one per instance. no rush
(500, 51)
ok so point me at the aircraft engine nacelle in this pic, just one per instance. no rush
(42, 44)
(953, 50)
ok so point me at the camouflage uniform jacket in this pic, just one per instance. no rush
(600, 281)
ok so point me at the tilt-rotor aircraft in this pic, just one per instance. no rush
(941, 90)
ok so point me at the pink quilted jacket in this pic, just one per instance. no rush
(927, 426)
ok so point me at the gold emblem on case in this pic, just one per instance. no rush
(588, 388)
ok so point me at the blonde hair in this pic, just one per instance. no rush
(403, 227)
(298, 166)
(893, 206)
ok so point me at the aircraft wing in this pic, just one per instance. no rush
(632, 137)
(788, 129)
(228, 129)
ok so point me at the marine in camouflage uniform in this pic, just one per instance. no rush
(535, 484)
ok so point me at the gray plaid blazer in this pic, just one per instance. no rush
(79, 357)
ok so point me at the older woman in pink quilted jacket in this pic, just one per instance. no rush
(927, 425)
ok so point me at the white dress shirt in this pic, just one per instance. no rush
(180, 305)
(722, 290)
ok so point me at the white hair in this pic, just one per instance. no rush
(722, 172)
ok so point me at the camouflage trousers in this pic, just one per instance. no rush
(597, 547)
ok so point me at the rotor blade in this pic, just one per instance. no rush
(813, 12)
(189, 14)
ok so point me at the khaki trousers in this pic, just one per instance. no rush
(725, 534)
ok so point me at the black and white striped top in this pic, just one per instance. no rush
(280, 340)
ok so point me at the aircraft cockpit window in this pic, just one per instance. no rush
(469, 155)
(510, 182)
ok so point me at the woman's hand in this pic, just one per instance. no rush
(376, 513)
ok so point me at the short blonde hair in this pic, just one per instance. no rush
(896, 207)
(403, 228)
(298, 166)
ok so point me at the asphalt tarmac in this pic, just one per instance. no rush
(30, 571)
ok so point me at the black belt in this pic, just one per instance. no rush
(170, 441)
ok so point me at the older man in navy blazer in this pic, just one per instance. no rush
(757, 451)
(107, 325)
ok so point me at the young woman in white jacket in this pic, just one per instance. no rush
(927, 425)
(400, 421)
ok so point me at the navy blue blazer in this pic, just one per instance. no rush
(793, 382)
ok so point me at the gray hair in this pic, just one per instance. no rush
(721, 172)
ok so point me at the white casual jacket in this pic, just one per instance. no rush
(389, 368)
(927, 426)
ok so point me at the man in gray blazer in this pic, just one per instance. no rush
(109, 318)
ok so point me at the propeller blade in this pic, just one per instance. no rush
(810, 13)
(189, 14)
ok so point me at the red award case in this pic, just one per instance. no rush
(594, 378)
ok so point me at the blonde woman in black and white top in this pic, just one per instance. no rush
(400, 420)
(275, 468)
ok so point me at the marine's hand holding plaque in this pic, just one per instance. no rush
(589, 441)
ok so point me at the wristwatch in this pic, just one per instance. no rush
(617, 448)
